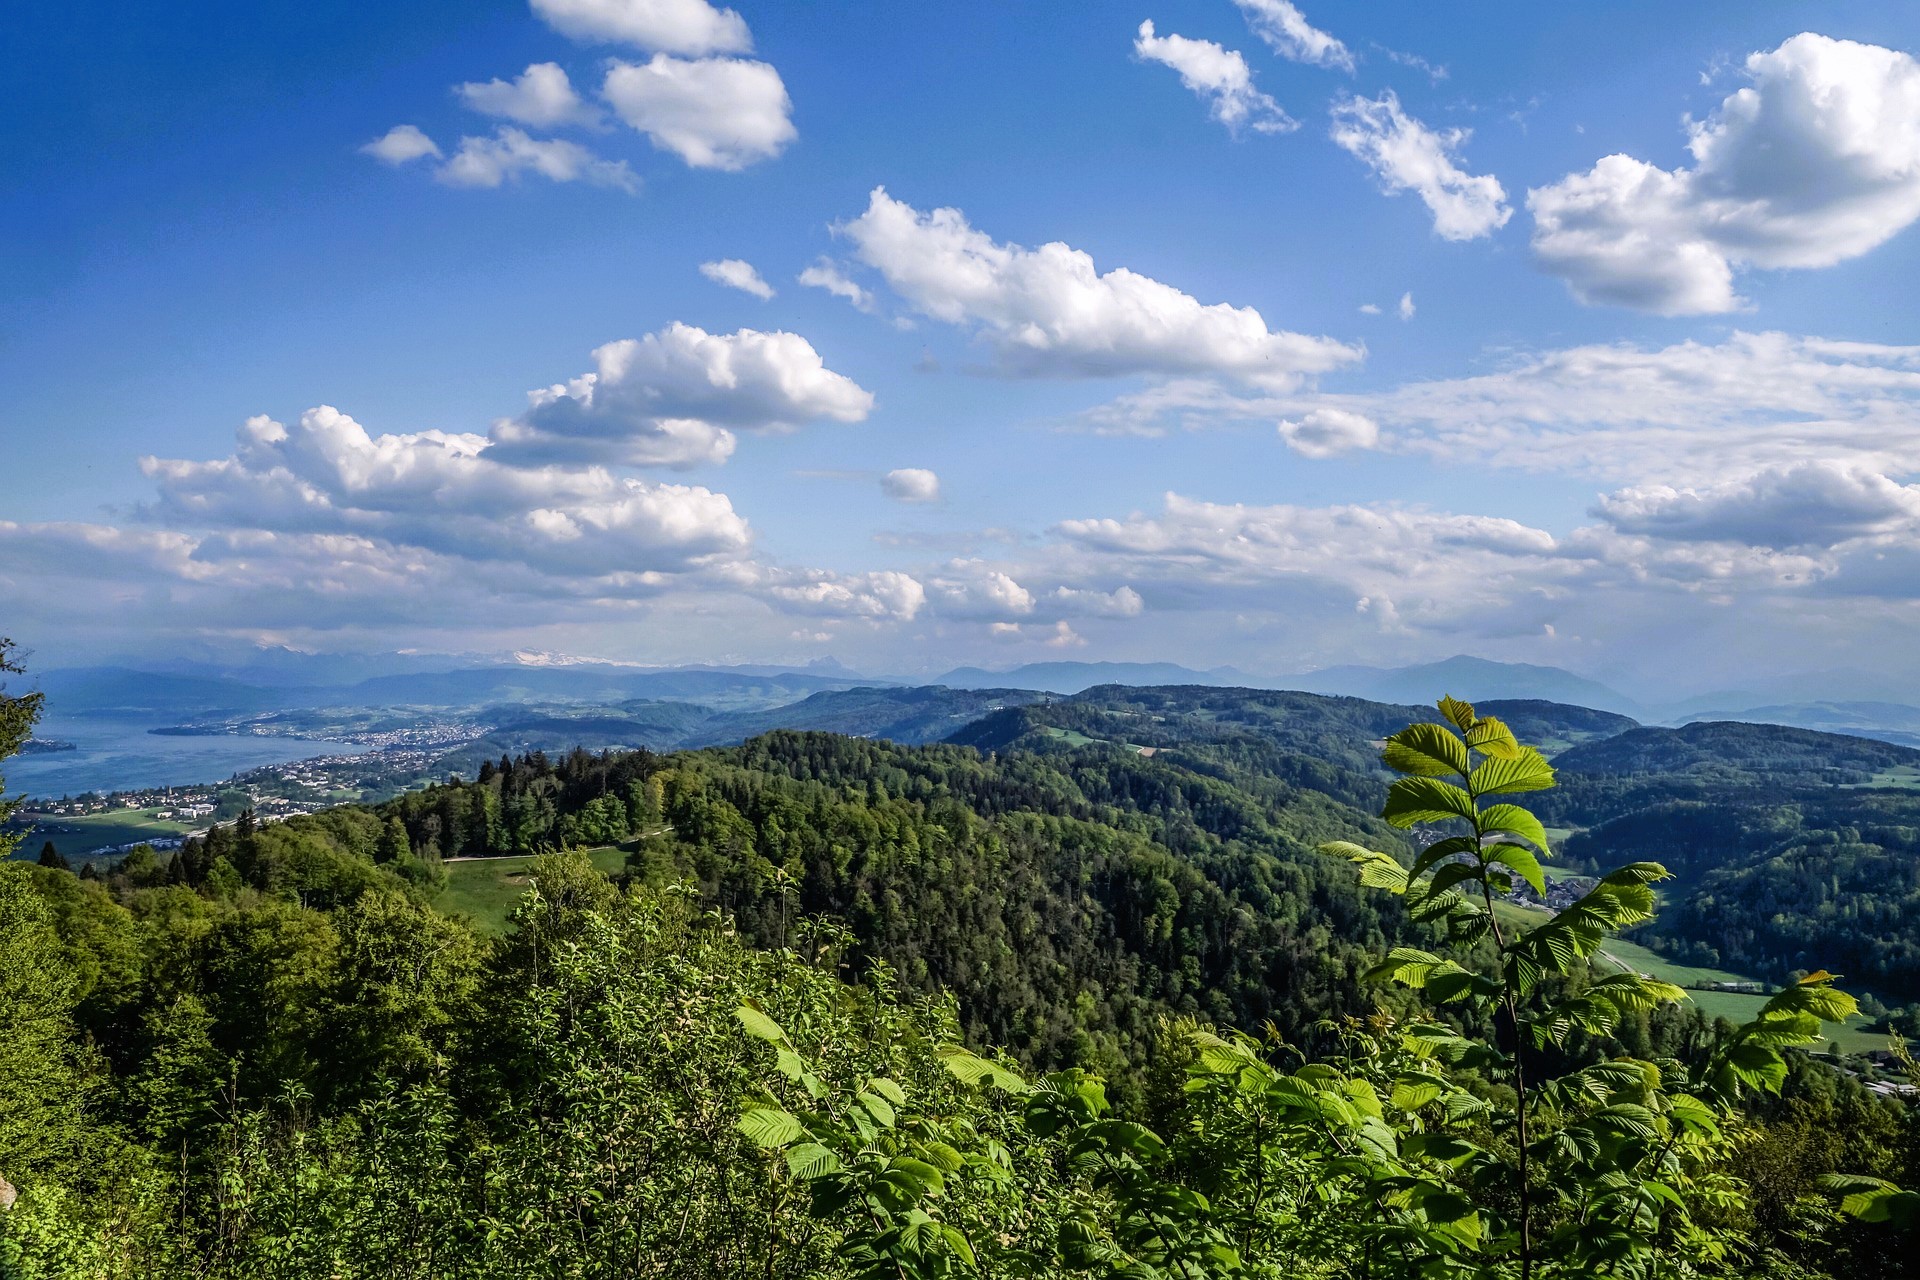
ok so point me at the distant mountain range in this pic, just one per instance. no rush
(122, 690)
(280, 680)
(1471, 679)
(1077, 677)
(1462, 676)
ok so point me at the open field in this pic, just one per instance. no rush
(485, 889)
(1075, 738)
(1903, 776)
(76, 837)
(1643, 960)
(1732, 1005)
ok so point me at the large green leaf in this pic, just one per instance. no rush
(972, 1069)
(877, 1107)
(1439, 851)
(1377, 870)
(1428, 750)
(1411, 800)
(1526, 770)
(1524, 864)
(810, 1160)
(770, 1127)
(759, 1024)
(1491, 737)
(1406, 965)
(888, 1090)
(1461, 713)
(1514, 821)
(1814, 994)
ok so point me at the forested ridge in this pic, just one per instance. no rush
(860, 1009)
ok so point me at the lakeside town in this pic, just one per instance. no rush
(95, 825)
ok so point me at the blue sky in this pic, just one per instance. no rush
(1648, 412)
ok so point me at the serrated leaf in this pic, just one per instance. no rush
(969, 1068)
(1511, 819)
(1407, 965)
(1377, 870)
(1453, 873)
(1426, 750)
(1526, 770)
(1491, 737)
(1461, 713)
(1439, 851)
(1410, 1093)
(889, 1090)
(943, 1157)
(927, 1178)
(958, 1243)
(770, 1127)
(1412, 800)
(1524, 864)
(810, 1160)
(877, 1107)
(760, 1025)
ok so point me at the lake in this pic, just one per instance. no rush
(114, 753)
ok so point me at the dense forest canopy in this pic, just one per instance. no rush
(271, 1053)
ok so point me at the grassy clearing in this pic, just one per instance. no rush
(1641, 960)
(485, 889)
(1906, 777)
(77, 837)
(1074, 738)
(1734, 1006)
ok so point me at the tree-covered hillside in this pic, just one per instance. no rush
(859, 1010)
(1732, 752)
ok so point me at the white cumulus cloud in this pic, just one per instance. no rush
(737, 273)
(1817, 161)
(975, 589)
(674, 398)
(1810, 504)
(1324, 433)
(673, 26)
(1287, 31)
(714, 113)
(1121, 602)
(542, 96)
(883, 595)
(446, 493)
(401, 144)
(1220, 77)
(1048, 311)
(826, 275)
(911, 484)
(1406, 155)
(511, 153)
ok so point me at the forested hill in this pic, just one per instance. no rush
(1070, 898)
(1737, 752)
(1555, 726)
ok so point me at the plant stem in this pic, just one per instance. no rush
(1519, 1066)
